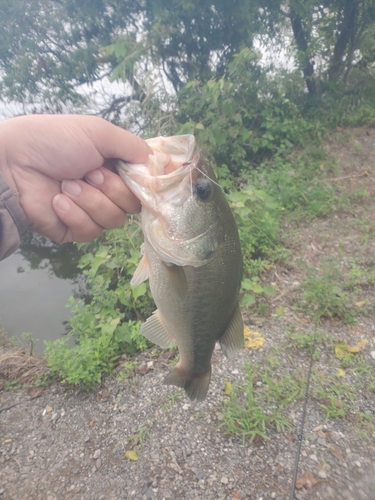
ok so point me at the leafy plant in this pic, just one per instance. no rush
(324, 295)
(240, 123)
(106, 323)
(252, 408)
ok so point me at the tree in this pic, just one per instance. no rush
(56, 54)
(330, 37)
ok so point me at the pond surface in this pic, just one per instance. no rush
(35, 285)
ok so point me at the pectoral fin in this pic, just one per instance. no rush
(142, 273)
(177, 279)
(153, 329)
(233, 339)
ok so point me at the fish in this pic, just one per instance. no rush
(191, 255)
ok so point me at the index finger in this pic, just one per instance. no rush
(114, 142)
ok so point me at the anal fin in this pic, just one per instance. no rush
(153, 329)
(232, 339)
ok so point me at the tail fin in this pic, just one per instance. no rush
(196, 387)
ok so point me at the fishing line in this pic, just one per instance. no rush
(217, 184)
(191, 179)
(211, 180)
(303, 418)
(264, 234)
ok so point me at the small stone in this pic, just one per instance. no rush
(314, 457)
(96, 454)
(322, 474)
(224, 480)
(372, 354)
(358, 463)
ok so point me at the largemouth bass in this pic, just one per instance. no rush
(192, 256)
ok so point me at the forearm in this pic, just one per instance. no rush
(13, 221)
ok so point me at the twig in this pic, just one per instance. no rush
(12, 405)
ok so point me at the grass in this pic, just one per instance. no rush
(18, 365)
(127, 372)
(261, 403)
(273, 386)
(332, 291)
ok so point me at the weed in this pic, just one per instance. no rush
(252, 408)
(28, 337)
(305, 340)
(336, 397)
(366, 426)
(13, 385)
(169, 401)
(323, 294)
(138, 438)
(127, 372)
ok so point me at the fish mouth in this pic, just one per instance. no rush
(179, 148)
(167, 178)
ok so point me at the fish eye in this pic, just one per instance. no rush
(203, 189)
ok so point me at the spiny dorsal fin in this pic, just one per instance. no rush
(153, 329)
(233, 339)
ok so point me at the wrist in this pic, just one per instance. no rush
(6, 170)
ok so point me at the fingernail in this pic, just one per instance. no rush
(95, 177)
(61, 203)
(71, 187)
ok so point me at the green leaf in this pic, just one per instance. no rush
(139, 290)
(248, 300)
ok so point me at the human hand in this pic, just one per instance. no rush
(45, 158)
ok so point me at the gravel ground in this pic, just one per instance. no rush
(69, 444)
(66, 444)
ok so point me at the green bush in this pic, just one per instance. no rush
(106, 324)
(244, 117)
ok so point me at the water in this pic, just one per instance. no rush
(35, 285)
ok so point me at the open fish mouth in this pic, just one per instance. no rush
(171, 220)
(163, 181)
